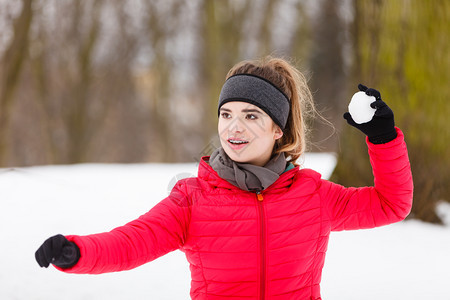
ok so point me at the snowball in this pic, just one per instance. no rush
(359, 107)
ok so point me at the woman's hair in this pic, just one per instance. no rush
(294, 84)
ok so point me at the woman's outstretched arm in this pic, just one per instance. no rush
(159, 231)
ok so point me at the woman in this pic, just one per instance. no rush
(253, 224)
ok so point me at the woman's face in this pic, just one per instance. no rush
(247, 134)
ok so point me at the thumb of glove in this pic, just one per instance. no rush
(349, 119)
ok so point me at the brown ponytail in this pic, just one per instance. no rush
(294, 84)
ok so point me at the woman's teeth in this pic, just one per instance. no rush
(237, 142)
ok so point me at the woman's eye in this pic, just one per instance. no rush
(225, 115)
(251, 117)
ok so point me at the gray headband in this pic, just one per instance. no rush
(257, 91)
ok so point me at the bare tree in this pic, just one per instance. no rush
(329, 79)
(11, 63)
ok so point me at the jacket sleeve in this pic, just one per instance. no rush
(388, 201)
(159, 231)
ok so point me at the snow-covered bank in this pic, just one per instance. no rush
(408, 260)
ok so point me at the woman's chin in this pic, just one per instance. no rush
(237, 156)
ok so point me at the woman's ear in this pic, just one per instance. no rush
(278, 132)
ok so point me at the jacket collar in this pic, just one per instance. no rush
(206, 172)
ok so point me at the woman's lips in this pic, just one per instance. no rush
(237, 146)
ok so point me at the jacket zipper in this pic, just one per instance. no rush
(260, 199)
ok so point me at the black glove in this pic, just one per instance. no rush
(58, 251)
(381, 129)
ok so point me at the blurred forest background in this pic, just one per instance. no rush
(138, 81)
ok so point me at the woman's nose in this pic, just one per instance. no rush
(237, 126)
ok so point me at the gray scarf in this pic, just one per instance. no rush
(247, 177)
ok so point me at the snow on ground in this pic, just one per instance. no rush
(408, 260)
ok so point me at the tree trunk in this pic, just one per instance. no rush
(12, 62)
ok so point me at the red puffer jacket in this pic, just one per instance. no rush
(241, 245)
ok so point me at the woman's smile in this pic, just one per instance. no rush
(237, 144)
